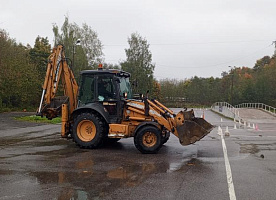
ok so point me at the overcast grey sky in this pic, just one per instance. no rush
(187, 38)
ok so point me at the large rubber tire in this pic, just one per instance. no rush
(88, 130)
(148, 139)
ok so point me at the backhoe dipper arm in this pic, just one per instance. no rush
(57, 68)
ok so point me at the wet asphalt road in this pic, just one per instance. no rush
(35, 163)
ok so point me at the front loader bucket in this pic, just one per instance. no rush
(192, 130)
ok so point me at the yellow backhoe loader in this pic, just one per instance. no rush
(102, 109)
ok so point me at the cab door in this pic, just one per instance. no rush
(86, 90)
(108, 96)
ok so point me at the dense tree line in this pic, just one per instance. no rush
(195, 91)
(19, 76)
(23, 68)
(238, 85)
(22, 72)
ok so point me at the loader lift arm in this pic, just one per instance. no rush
(183, 125)
(58, 68)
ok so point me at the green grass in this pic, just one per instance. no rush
(38, 119)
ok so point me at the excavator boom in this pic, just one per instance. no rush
(58, 68)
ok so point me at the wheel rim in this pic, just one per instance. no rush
(149, 139)
(86, 130)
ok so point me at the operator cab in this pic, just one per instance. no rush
(106, 88)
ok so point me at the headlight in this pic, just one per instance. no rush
(125, 95)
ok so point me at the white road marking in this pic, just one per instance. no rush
(231, 189)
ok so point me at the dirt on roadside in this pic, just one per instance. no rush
(8, 121)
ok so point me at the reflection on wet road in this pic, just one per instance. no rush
(38, 164)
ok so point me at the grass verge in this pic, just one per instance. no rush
(38, 119)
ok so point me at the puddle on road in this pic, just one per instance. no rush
(182, 166)
(94, 175)
(249, 148)
(89, 175)
(85, 174)
(27, 140)
(30, 153)
(6, 172)
(10, 141)
(83, 182)
(188, 157)
(69, 193)
(133, 175)
(256, 148)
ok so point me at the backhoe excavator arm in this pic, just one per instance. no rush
(57, 68)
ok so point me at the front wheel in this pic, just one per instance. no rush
(88, 130)
(148, 139)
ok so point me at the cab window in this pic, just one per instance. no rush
(125, 87)
(106, 89)
(87, 90)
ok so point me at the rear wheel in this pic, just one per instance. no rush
(148, 139)
(88, 130)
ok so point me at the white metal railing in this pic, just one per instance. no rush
(260, 106)
(226, 109)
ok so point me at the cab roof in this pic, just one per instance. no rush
(115, 72)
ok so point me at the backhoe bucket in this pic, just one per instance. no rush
(191, 129)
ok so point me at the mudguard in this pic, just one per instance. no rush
(145, 124)
(97, 107)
